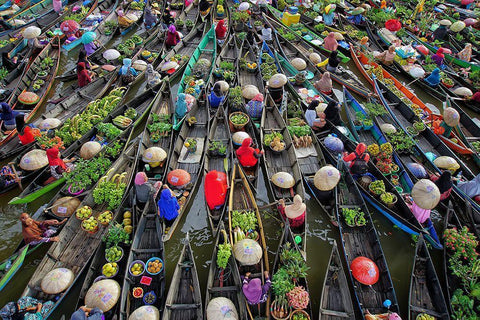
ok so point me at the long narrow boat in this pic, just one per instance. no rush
(184, 299)
(225, 282)
(76, 247)
(52, 51)
(183, 159)
(242, 199)
(426, 295)
(219, 137)
(217, 16)
(363, 242)
(336, 302)
(133, 14)
(147, 243)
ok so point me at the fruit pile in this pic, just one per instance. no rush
(127, 222)
(83, 212)
(109, 269)
(137, 269)
(424, 316)
(137, 292)
(155, 266)
(91, 224)
(113, 254)
(105, 217)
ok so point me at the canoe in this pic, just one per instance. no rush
(300, 48)
(52, 50)
(184, 299)
(426, 295)
(400, 215)
(130, 12)
(207, 49)
(94, 271)
(336, 300)
(76, 247)
(226, 19)
(226, 282)
(241, 199)
(294, 256)
(219, 133)
(363, 241)
(190, 162)
(147, 243)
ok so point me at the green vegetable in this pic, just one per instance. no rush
(86, 172)
(223, 254)
(268, 138)
(245, 220)
(299, 131)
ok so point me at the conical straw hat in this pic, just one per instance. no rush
(103, 294)
(425, 194)
(57, 280)
(248, 252)
(326, 178)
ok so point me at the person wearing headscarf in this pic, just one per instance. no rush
(475, 97)
(324, 84)
(57, 165)
(330, 43)
(149, 19)
(153, 77)
(168, 206)
(421, 214)
(84, 313)
(204, 7)
(332, 113)
(26, 308)
(90, 48)
(248, 156)
(127, 67)
(143, 189)
(181, 107)
(35, 232)
(83, 75)
(7, 115)
(356, 19)
(329, 14)
(251, 37)
(255, 106)
(314, 120)
(364, 44)
(36, 46)
(295, 212)
(266, 33)
(82, 57)
(471, 188)
(172, 37)
(440, 33)
(216, 97)
(167, 17)
(57, 6)
(466, 53)
(221, 30)
(387, 57)
(333, 62)
(358, 159)
(439, 57)
(253, 290)
(433, 79)
(216, 188)
(26, 134)
(444, 183)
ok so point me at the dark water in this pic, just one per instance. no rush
(397, 245)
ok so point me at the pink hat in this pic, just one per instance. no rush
(141, 178)
(253, 290)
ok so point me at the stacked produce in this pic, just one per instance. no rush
(275, 141)
(245, 225)
(86, 173)
(300, 133)
(110, 191)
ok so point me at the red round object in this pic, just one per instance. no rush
(178, 177)
(393, 25)
(69, 26)
(422, 49)
(365, 271)
(28, 98)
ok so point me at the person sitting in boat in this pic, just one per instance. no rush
(152, 77)
(84, 313)
(90, 47)
(314, 120)
(127, 72)
(439, 57)
(421, 214)
(358, 160)
(168, 206)
(329, 15)
(221, 30)
(475, 97)
(167, 17)
(471, 188)
(216, 188)
(387, 57)
(440, 33)
(255, 106)
(251, 37)
(181, 106)
(35, 232)
(356, 19)
(333, 62)
(143, 189)
(330, 43)
(8, 176)
(26, 134)
(247, 155)
(7, 115)
(83, 75)
(149, 19)
(440, 127)
(26, 308)
(57, 165)
(204, 7)
(295, 212)
(444, 183)
(364, 44)
(275, 93)
(267, 33)
(36, 46)
(253, 290)
(57, 6)
(466, 53)
(324, 84)
(82, 57)
(332, 113)
(216, 97)
(173, 37)
(433, 79)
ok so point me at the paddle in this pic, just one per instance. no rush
(225, 166)
(17, 178)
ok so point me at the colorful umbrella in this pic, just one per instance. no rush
(89, 37)
(248, 252)
(425, 194)
(365, 271)
(326, 178)
(69, 26)
(458, 26)
(111, 54)
(57, 280)
(103, 294)
(393, 25)
(31, 32)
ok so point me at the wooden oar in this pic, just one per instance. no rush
(225, 166)
(17, 178)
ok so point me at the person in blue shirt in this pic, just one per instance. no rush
(216, 97)
(7, 115)
(434, 78)
(168, 207)
(127, 66)
(329, 14)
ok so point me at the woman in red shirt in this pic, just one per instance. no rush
(220, 30)
(83, 75)
(248, 156)
(26, 134)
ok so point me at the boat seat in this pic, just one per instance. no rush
(207, 50)
(138, 251)
(182, 306)
(429, 311)
(223, 289)
(337, 314)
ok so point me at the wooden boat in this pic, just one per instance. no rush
(207, 49)
(363, 241)
(76, 247)
(336, 301)
(242, 199)
(147, 243)
(181, 158)
(129, 11)
(52, 50)
(426, 295)
(288, 246)
(226, 19)
(94, 272)
(184, 299)
(219, 133)
(225, 282)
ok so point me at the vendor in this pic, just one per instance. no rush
(324, 84)
(255, 106)
(181, 106)
(127, 72)
(266, 33)
(332, 113)
(168, 207)
(248, 156)
(471, 188)
(57, 6)
(36, 232)
(440, 127)
(57, 165)
(172, 37)
(329, 15)
(167, 17)
(439, 57)
(216, 96)
(440, 33)
(387, 57)
(314, 120)
(143, 189)
(26, 134)
(358, 160)
(204, 7)
(7, 115)
(333, 62)
(84, 313)
(444, 183)
(466, 53)
(433, 79)
(364, 44)
(152, 77)
(221, 30)
(330, 43)
(295, 212)
(26, 308)
(253, 290)
(8, 176)
(83, 75)
(149, 19)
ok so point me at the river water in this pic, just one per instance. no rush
(397, 245)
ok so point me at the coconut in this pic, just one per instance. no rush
(169, 65)
(34, 160)
(277, 80)
(388, 128)
(65, 206)
(139, 65)
(299, 64)
(249, 91)
(315, 58)
(223, 86)
(49, 123)
(338, 36)
(90, 149)
(462, 91)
